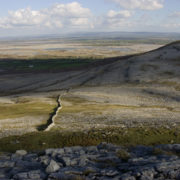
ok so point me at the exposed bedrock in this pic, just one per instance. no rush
(105, 161)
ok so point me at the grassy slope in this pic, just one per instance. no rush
(57, 139)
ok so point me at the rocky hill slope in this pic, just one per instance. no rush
(128, 91)
(158, 66)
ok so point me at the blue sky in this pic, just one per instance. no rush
(29, 17)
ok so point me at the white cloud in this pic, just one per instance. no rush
(140, 4)
(171, 22)
(114, 20)
(119, 14)
(74, 17)
(175, 15)
(24, 17)
(171, 25)
(70, 10)
(57, 16)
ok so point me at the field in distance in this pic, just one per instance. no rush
(95, 45)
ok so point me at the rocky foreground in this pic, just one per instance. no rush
(105, 161)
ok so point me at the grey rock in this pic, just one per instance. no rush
(68, 150)
(4, 157)
(3, 173)
(21, 152)
(166, 166)
(72, 170)
(52, 167)
(62, 176)
(31, 157)
(49, 151)
(90, 170)
(109, 173)
(112, 160)
(173, 174)
(150, 172)
(176, 148)
(74, 162)
(144, 177)
(116, 177)
(21, 176)
(36, 174)
(16, 157)
(93, 162)
(54, 152)
(3, 177)
(60, 151)
(28, 164)
(83, 160)
(44, 160)
(170, 147)
(178, 176)
(91, 149)
(127, 177)
(82, 152)
(6, 164)
(142, 151)
(16, 170)
(108, 146)
(66, 160)
(77, 148)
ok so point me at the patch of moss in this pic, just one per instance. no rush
(123, 155)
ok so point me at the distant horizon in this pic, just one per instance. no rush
(87, 34)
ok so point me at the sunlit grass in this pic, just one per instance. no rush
(25, 109)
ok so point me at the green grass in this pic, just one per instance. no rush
(43, 64)
(81, 105)
(57, 139)
(24, 109)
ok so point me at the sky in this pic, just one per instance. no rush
(38, 17)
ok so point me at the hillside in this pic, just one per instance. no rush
(128, 91)
(161, 66)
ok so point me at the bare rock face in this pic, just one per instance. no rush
(105, 161)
